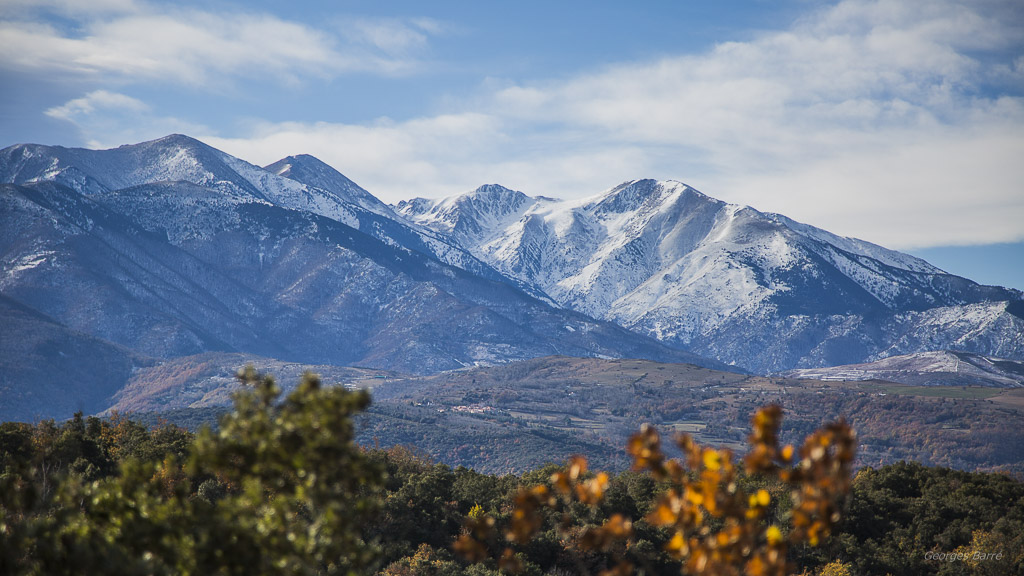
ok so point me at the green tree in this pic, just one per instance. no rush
(287, 492)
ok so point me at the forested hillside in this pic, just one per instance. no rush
(280, 488)
(520, 416)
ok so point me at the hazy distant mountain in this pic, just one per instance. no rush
(942, 368)
(48, 370)
(726, 281)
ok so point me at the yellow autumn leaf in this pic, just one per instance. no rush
(712, 459)
(677, 544)
(763, 497)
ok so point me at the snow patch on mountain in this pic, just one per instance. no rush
(666, 260)
(935, 368)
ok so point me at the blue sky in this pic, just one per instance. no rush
(899, 122)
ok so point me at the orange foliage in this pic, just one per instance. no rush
(715, 527)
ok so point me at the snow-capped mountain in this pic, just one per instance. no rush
(175, 267)
(297, 182)
(723, 280)
(379, 220)
(311, 171)
(172, 247)
(174, 158)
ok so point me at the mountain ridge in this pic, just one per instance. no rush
(180, 158)
(666, 260)
(263, 251)
(174, 267)
(173, 248)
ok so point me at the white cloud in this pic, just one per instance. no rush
(110, 118)
(392, 36)
(132, 42)
(901, 122)
(98, 100)
(952, 187)
(395, 160)
(443, 155)
(886, 120)
(73, 8)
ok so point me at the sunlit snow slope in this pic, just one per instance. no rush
(724, 280)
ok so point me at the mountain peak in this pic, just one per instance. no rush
(171, 138)
(467, 215)
(485, 198)
(491, 197)
(312, 171)
(285, 165)
(307, 158)
(493, 189)
(175, 157)
(630, 195)
(172, 141)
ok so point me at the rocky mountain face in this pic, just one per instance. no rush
(171, 248)
(726, 281)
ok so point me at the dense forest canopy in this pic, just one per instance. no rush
(281, 488)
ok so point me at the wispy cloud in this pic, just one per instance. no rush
(134, 42)
(395, 37)
(94, 102)
(899, 122)
(110, 118)
(107, 47)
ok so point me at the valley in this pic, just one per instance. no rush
(520, 416)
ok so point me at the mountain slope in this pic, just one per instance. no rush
(378, 219)
(722, 280)
(311, 171)
(300, 183)
(50, 371)
(96, 271)
(171, 269)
